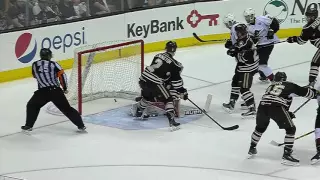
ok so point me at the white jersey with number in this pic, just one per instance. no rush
(262, 25)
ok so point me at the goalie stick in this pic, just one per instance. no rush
(280, 144)
(224, 128)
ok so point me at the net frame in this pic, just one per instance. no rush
(75, 94)
(103, 48)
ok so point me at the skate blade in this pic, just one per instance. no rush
(248, 117)
(244, 108)
(174, 128)
(315, 161)
(26, 132)
(230, 111)
(289, 163)
(82, 131)
(251, 156)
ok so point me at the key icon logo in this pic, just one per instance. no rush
(194, 18)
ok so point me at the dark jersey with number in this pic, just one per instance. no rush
(247, 58)
(281, 93)
(49, 74)
(164, 68)
(311, 31)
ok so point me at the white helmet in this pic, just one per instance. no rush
(229, 20)
(249, 15)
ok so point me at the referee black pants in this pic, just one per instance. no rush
(55, 95)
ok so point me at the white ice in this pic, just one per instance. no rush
(200, 150)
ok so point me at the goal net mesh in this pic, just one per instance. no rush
(104, 70)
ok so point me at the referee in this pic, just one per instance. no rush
(50, 76)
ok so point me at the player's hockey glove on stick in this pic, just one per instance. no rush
(228, 44)
(232, 52)
(292, 39)
(224, 128)
(270, 34)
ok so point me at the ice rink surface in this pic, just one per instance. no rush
(199, 150)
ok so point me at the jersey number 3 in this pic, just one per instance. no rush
(276, 90)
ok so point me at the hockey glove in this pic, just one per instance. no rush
(270, 34)
(291, 114)
(292, 39)
(232, 52)
(228, 44)
(183, 93)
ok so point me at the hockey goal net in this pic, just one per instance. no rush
(104, 70)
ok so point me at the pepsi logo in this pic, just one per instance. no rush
(26, 48)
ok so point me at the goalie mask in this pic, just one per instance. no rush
(249, 15)
(171, 47)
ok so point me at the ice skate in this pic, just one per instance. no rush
(252, 152)
(82, 129)
(316, 158)
(243, 106)
(172, 123)
(251, 113)
(288, 159)
(229, 107)
(264, 80)
(26, 129)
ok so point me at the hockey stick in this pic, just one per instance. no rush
(213, 40)
(224, 128)
(280, 144)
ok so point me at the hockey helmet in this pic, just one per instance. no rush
(311, 14)
(229, 20)
(171, 46)
(249, 15)
(45, 54)
(280, 76)
(241, 30)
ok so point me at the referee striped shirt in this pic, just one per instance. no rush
(49, 74)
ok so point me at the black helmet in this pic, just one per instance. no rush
(280, 76)
(45, 54)
(241, 30)
(171, 46)
(312, 12)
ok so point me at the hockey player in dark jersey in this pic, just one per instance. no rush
(247, 66)
(315, 159)
(154, 79)
(275, 104)
(311, 31)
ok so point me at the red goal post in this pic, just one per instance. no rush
(105, 70)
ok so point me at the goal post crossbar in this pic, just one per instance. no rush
(103, 48)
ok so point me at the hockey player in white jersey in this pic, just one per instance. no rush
(263, 29)
(230, 22)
